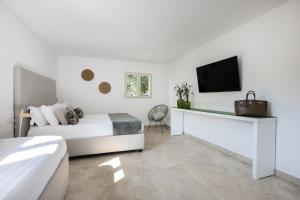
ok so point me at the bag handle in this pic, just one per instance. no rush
(250, 92)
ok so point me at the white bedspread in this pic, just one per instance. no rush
(27, 164)
(89, 126)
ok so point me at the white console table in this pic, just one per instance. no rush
(250, 137)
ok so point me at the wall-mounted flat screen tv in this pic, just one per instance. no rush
(221, 76)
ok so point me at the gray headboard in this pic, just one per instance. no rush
(30, 89)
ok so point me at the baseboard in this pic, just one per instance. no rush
(287, 177)
(221, 149)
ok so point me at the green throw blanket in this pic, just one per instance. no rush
(125, 124)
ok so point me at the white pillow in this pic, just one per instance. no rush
(49, 115)
(60, 111)
(37, 117)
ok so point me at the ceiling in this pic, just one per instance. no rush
(137, 30)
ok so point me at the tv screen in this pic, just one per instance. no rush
(221, 76)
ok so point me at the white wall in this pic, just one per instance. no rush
(18, 46)
(269, 53)
(72, 89)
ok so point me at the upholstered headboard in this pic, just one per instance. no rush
(30, 89)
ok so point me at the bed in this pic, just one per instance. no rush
(33, 168)
(95, 134)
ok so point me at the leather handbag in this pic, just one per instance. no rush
(251, 108)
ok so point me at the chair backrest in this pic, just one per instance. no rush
(159, 108)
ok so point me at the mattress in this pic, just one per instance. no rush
(88, 127)
(27, 164)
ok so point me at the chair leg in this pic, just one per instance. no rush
(155, 124)
(161, 128)
(149, 126)
(165, 125)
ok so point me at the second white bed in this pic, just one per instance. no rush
(27, 165)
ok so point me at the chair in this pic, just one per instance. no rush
(158, 114)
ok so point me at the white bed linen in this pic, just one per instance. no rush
(89, 126)
(27, 164)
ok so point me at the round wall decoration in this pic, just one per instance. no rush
(87, 75)
(104, 87)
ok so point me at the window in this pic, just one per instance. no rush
(137, 85)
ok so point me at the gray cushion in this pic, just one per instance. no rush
(72, 117)
(79, 113)
(158, 115)
(70, 108)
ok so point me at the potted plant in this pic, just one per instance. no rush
(187, 92)
(179, 92)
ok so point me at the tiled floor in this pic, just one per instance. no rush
(171, 168)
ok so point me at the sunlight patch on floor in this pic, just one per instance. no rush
(115, 163)
(118, 175)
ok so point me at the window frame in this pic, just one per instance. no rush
(139, 75)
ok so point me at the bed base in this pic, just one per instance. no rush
(105, 144)
(57, 186)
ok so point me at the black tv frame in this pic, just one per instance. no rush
(237, 75)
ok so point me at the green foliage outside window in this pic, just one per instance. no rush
(132, 87)
(145, 85)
